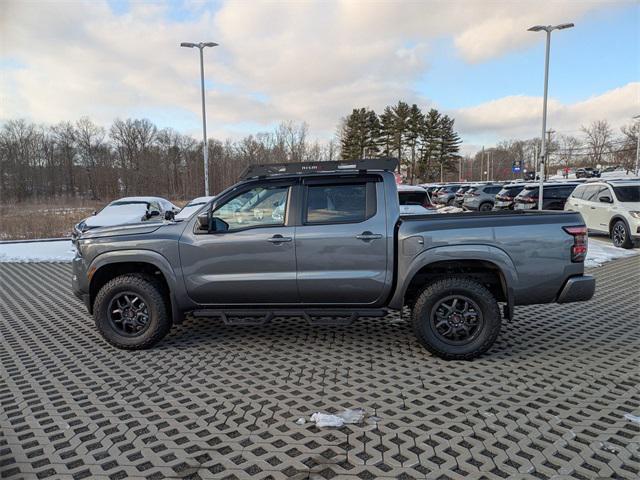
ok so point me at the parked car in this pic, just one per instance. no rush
(587, 172)
(192, 207)
(414, 200)
(611, 207)
(554, 196)
(446, 194)
(125, 211)
(504, 198)
(459, 198)
(481, 197)
(340, 251)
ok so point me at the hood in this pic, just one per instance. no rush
(131, 229)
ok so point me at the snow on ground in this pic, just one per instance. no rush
(56, 251)
(600, 251)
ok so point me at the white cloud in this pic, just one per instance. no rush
(310, 61)
(520, 116)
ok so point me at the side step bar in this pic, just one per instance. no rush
(315, 317)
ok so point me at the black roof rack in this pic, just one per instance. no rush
(270, 169)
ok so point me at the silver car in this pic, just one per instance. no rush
(481, 197)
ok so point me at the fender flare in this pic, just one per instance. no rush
(141, 256)
(485, 253)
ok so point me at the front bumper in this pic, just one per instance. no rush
(577, 289)
(79, 282)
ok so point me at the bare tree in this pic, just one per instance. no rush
(598, 138)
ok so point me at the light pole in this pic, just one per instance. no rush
(543, 150)
(205, 147)
(637, 119)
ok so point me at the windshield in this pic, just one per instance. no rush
(629, 193)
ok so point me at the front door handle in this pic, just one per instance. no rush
(368, 236)
(593, 208)
(279, 239)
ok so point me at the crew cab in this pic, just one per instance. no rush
(326, 242)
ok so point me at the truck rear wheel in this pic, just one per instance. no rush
(131, 312)
(456, 318)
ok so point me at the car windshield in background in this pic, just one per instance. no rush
(412, 198)
(629, 193)
(126, 202)
(511, 191)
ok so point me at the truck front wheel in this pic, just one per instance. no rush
(456, 318)
(131, 313)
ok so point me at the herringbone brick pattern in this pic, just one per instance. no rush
(216, 401)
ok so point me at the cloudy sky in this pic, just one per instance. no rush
(315, 61)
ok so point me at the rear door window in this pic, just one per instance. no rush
(340, 203)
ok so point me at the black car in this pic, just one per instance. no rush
(554, 196)
(504, 198)
(587, 172)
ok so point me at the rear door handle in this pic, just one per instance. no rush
(279, 239)
(368, 236)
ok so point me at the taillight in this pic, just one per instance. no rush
(580, 242)
(529, 200)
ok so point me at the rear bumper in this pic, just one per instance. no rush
(577, 289)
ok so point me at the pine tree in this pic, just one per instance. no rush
(416, 124)
(359, 134)
(401, 113)
(385, 141)
(448, 154)
(430, 144)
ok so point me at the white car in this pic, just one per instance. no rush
(611, 207)
(127, 210)
(414, 200)
(192, 207)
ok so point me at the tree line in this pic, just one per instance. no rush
(134, 157)
(426, 144)
(595, 145)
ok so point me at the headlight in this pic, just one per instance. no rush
(635, 214)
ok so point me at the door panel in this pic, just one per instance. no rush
(252, 261)
(342, 263)
(247, 267)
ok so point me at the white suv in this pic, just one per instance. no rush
(612, 207)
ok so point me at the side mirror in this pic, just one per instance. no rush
(203, 221)
(169, 215)
(605, 199)
(211, 224)
(95, 212)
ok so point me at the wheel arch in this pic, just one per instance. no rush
(613, 221)
(488, 264)
(110, 265)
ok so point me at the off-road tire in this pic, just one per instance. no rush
(151, 292)
(439, 289)
(621, 242)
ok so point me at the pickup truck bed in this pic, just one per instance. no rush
(330, 243)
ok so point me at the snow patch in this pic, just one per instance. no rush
(600, 252)
(56, 251)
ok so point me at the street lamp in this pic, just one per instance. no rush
(637, 119)
(205, 147)
(543, 152)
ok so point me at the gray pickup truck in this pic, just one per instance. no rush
(326, 242)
